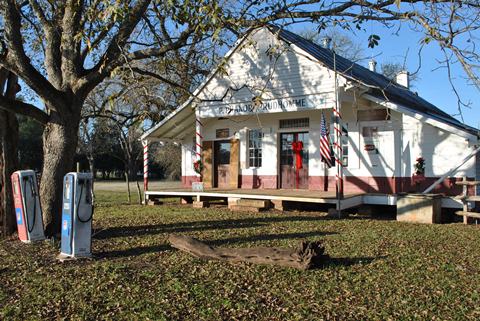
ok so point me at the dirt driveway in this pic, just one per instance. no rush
(118, 186)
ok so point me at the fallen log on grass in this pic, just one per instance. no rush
(307, 255)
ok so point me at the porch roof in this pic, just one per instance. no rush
(175, 126)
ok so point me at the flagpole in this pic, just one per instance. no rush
(337, 142)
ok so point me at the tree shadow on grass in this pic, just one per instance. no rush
(134, 251)
(347, 261)
(268, 237)
(139, 230)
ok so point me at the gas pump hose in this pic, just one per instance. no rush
(78, 207)
(30, 229)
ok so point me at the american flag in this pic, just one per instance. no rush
(325, 149)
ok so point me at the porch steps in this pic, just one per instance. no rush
(248, 205)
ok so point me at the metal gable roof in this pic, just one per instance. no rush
(381, 86)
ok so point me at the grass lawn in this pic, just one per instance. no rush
(379, 269)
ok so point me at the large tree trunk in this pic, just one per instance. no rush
(9, 140)
(8, 155)
(60, 139)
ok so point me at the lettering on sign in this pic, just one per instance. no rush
(275, 105)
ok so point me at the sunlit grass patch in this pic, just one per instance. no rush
(379, 269)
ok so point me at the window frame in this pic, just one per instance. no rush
(258, 160)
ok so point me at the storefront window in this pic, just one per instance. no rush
(255, 148)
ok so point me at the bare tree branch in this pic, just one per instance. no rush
(19, 107)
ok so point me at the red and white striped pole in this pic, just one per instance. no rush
(198, 143)
(145, 166)
(338, 151)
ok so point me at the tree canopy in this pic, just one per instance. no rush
(64, 49)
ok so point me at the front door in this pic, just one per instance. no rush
(222, 164)
(294, 160)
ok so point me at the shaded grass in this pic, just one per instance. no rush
(379, 269)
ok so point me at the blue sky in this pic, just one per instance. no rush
(433, 84)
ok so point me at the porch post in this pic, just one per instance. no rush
(145, 169)
(198, 140)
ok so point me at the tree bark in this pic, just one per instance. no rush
(9, 137)
(127, 181)
(60, 139)
(307, 255)
(9, 140)
(139, 192)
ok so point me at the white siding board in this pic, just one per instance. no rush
(442, 150)
(293, 74)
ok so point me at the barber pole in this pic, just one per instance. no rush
(198, 142)
(145, 165)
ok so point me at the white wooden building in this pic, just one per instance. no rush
(271, 91)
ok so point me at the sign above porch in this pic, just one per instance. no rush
(275, 105)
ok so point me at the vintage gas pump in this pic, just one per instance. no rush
(77, 215)
(27, 206)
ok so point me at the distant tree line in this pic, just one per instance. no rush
(107, 157)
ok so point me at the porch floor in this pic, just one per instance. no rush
(291, 195)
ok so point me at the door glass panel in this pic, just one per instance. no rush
(303, 137)
(286, 153)
(223, 153)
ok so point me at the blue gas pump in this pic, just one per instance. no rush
(27, 206)
(77, 215)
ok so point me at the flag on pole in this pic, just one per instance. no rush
(325, 147)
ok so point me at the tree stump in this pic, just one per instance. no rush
(306, 256)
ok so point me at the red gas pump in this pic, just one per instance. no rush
(27, 206)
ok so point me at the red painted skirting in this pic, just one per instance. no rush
(355, 184)
(389, 185)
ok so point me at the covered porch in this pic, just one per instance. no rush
(278, 197)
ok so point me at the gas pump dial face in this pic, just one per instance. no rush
(15, 187)
(67, 189)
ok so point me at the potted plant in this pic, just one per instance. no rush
(419, 171)
(419, 166)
